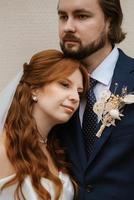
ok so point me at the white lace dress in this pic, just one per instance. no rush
(29, 192)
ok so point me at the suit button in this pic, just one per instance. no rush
(89, 188)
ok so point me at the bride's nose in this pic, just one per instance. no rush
(74, 96)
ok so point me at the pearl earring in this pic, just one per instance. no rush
(34, 98)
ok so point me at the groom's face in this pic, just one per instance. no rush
(83, 28)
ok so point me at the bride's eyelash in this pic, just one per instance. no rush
(64, 83)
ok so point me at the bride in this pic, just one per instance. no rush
(47, 93)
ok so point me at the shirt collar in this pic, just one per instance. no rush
(104, 72)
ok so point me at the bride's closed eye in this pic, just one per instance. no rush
(64, 84)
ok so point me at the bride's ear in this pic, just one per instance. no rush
(34, 93)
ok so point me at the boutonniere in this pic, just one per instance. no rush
(109, 108)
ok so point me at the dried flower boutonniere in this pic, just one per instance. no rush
(109, 107)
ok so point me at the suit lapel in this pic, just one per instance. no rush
(77, 141)
(123, 75)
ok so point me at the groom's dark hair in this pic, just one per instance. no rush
(113, 11)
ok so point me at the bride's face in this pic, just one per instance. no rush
(58, 100)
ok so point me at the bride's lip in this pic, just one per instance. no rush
(69, 108)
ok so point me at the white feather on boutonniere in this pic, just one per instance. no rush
(109, 107)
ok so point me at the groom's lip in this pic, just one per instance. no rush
(70, 40)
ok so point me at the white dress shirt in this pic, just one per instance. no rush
(103, 74)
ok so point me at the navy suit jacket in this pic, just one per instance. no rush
(109, 173)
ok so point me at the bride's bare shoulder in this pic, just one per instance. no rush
(6, 167)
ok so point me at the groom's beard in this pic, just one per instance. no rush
(84, 51)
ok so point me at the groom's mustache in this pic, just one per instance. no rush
(70, 37)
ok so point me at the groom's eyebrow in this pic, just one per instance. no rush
(77, 11)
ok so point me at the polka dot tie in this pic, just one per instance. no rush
(89, 119)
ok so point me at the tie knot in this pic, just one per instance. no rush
(92, 83)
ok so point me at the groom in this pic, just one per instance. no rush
(103, 166)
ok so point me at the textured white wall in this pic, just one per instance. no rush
(128, 26)
(28, 26)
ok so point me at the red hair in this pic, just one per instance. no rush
(22, 144)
